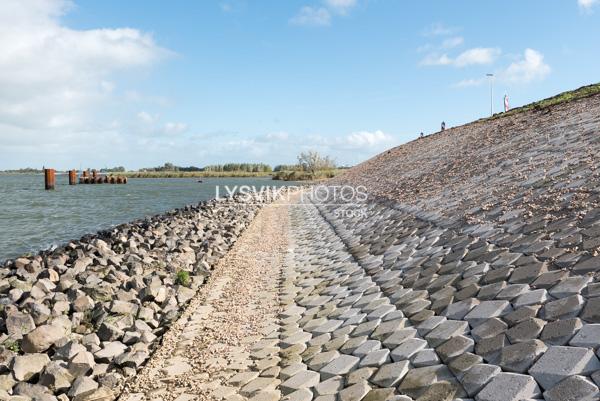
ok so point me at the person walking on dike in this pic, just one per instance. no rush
(421, 135)
(443, 126)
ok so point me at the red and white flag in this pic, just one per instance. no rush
(506, 105)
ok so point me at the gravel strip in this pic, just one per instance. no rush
(237, 307)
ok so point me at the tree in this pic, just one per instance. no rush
(312, 162)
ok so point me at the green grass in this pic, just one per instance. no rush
(183, 278)
(190, 174)
(305, 175)
(12, 345)
(565, 97)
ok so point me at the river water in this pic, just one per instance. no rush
(32, 219)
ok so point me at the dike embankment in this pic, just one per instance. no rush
(78, 321)
(471, 272)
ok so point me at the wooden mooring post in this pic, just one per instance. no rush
(49, 178)
(72, 177)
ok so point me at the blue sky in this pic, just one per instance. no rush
(139, 83)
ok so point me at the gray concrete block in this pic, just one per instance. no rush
(509, 387)
(560, 362)
(477, 377)
(576, 388)
(485, 310)
(588, 337)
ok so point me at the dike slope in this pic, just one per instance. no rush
(539, 166)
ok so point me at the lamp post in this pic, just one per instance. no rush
(491, 77)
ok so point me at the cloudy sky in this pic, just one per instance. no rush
(143, 82)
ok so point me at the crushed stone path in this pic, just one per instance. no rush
(376, 302)
(217, 336)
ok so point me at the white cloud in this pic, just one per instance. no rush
(175, 128)
(587, 4)
(322, 15)
(531, 67)
(478, 55)
(61, 83)
(341, 6)
(453, 42)
(367, 139)
(277, 136)
(439, 29)
(475, 56)
(312, 16)
(436, 59)
(146, 117)
(465, 83)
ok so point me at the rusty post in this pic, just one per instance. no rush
(94, 174)
(105, 179)
(49, 178)
(72, 177)
(124, 180)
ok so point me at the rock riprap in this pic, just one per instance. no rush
(78, 321)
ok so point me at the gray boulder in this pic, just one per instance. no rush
(42, 338)
(27, 366)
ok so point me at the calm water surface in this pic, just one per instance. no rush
(32, 219)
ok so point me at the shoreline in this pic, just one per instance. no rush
(88, 314)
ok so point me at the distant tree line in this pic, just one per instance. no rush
(119, 169)
(24, 170)
(228, 167)
(171, 167)
(287, 167)
(248, 167)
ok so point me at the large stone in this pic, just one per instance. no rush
(18, 324)
(81, 364)
(110, 351)
(56, 376)
(27, 366)
(42, 338)
(560, 362)
(82, 386)
(26, 391)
